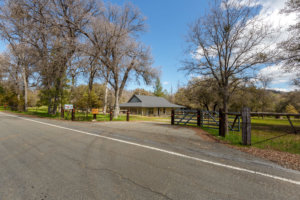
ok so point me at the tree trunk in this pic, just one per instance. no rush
(56, 96)
(49, 105)
(225, 110)
(105, 98)
(91, 82)
(116, 106)
(55, 105)
(206, 106)
(215, 107)
(73, 81)
(25, 89)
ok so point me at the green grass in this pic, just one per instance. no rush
(82, 116)
(36, 111)
(267, 133)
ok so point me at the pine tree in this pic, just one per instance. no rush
(158, 89)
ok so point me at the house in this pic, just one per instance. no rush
(149, 105)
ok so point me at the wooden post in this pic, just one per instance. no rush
(110, 116)
(172, 117)
(246, 126)
(221, 123)
(198, 118)
(127, 117)
(62, 113)
(73, 114)
(94, 116)
(201, 118)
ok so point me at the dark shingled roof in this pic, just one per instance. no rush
(149, 102)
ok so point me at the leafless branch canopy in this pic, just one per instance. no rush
(227, 42)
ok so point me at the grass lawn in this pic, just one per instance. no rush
(36, 111)
(81, 116)
(268, 133)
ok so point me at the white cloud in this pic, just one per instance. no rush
(196, 76)
(281, 80)
(290, 89)
(269, 15)
(165, 83)
(278, 74)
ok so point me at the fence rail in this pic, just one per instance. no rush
(216, 120)
(203, 118)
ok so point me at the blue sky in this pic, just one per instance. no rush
(167, 24)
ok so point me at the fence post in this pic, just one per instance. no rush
(198, 118)
(172, 117)
(62, 113)
(73, 114)
(127, 117)
(221, 123)
(110, 115)
(201, 118)
(246, 126)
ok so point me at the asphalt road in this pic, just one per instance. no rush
(43, 159)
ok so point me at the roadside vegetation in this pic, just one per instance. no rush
(267, 133)
(82, 116)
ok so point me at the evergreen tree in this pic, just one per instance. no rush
(158, 89)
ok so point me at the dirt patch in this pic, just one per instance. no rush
(287, 160)
(284, 159)
(205, 136)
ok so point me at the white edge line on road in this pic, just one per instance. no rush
(164, 151)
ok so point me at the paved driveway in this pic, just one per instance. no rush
(50, 159)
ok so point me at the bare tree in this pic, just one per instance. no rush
(113, 34)
(106, 78)
(91, 68)
(75, 68)
(265, 82)
(291, 47)
(226, 43)
(11, 79)
(54, 34)
(14, 21)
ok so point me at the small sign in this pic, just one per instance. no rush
(95, 111)
(68, 106)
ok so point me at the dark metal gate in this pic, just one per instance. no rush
(205, 119)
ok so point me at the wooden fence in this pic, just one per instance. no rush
(216, 120)
(204, 119)
(74, 118)
(246, 115)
